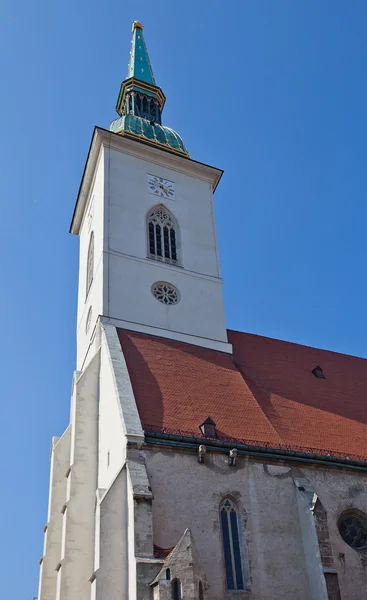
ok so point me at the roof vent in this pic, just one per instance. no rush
(318, 372)
(208, 428)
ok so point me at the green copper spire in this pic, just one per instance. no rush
(140, 102)
(139, 64)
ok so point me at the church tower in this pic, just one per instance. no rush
(148, 265)
(144, 214)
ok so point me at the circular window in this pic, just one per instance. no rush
(353, 529)
(89, 320)
(165, 292)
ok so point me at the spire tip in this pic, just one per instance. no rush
(136, 25)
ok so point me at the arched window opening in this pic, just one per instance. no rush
(231, 545)
(176, 589)
(201, 591)
(168, 574)
(145, 108)
(90, 263)
(162, 236)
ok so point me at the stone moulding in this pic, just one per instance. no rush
(298, 455)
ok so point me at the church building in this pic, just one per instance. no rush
(199, 463)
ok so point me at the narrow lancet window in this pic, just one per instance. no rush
(231, 546)
(162, 232)
(90, 264)
(176, 589)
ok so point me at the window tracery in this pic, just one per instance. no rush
(162, 231)
(353, 529)
(231, 545)
(165, 292)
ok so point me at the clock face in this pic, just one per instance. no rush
(161, 187)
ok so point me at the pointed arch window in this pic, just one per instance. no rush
(90, 263)
(176, 589)
(231, 545)
(162, 233)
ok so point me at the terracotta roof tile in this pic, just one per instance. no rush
(265, 393)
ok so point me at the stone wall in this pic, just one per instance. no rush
(188, 494)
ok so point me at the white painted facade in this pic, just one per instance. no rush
(113, 203)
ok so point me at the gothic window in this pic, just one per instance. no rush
(231, 545)
(162, 232)
(176, 589)
(353, 529)
(90, 263)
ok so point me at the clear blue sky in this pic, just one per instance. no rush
(272, 91)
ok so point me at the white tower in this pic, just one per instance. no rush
(148, 246)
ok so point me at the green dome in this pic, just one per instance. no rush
(152, 133)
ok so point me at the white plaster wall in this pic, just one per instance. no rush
(188, 494)
(78, 562)
(130, 201)
(112, 574)
(199, 312)
(112, 440)
(60, 460)
(130, 274)
(95, 295)
(132, 588)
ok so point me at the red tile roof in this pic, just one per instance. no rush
(265, 394)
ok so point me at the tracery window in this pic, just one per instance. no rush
(90, 263)
(353, 529)
(162, 231)
(165, 292)
(231, 545)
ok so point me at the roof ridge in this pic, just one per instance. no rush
(266, 337)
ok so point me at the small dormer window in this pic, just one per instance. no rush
(318, 372)
(208, 428)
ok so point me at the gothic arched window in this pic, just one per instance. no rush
(176, 589)
(162, 232)
(90, 263)
(231, 545)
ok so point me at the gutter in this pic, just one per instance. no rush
(180, 441)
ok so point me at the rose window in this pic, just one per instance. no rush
(353, 529)
(165, 293)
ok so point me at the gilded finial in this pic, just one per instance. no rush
(136, 25)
